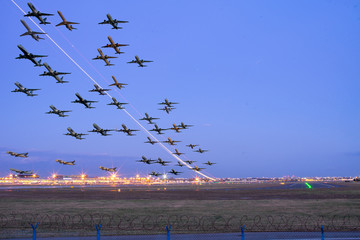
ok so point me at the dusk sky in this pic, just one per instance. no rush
(271, 87)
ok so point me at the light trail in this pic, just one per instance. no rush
(135, 120)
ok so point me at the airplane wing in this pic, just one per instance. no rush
(32, 89)
(117, 21)
(146, 61)
(46, 74)
(37, 56)
(45, 14)
(32, 14)
(24, 34)
(110, 57)
(133, 61)
(37, 33)
(88, 101)
(104, 22)
(72, 22)
(61, 73)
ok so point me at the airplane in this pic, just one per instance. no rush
(170, 141)
(37, 14)
(161, 162)
(112, 22)
(115, 46)
(196, 168)
(117, 84)
(116, 103)
(100, 90)
(179, 164)
(66, 23)
(98, 129)
(104, 57)
(174, 172)
(201, 151)
(155, 174)
(27, 91)
(192, 146)
(127, 130)
(190, 161)
(86, 103)
(175, 128)
(57, 111)
(184, 126)
(148, 118)
(23, 155)
(75, 134)
(53, 74)
(158, 130)
(31, 32)
(21, 171)
(150, 141)
(30, 56)
(167, 109)
(65, 163)
(167, 103)
(139, 61)
(145, 160)
(209, 163)
(108, 169)
(177, 152)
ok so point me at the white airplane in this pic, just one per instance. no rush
(37, 14)
(112, 22)
(27, 91)
(31, 32)
(140, 61)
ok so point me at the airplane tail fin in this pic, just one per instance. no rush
(39, 64)
(73, 161)
(26, 154)
(45, 22)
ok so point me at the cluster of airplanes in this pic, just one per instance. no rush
(167, 105)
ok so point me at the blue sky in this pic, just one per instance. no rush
(272, 87)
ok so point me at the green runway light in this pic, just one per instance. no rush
(308, 185)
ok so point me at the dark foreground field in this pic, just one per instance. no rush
(199, 208)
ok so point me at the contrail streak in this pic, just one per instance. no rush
(135, 120)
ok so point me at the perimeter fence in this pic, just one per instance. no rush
(18, 224)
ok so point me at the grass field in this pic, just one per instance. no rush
(259, 206)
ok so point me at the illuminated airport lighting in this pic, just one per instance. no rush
(308, 185)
